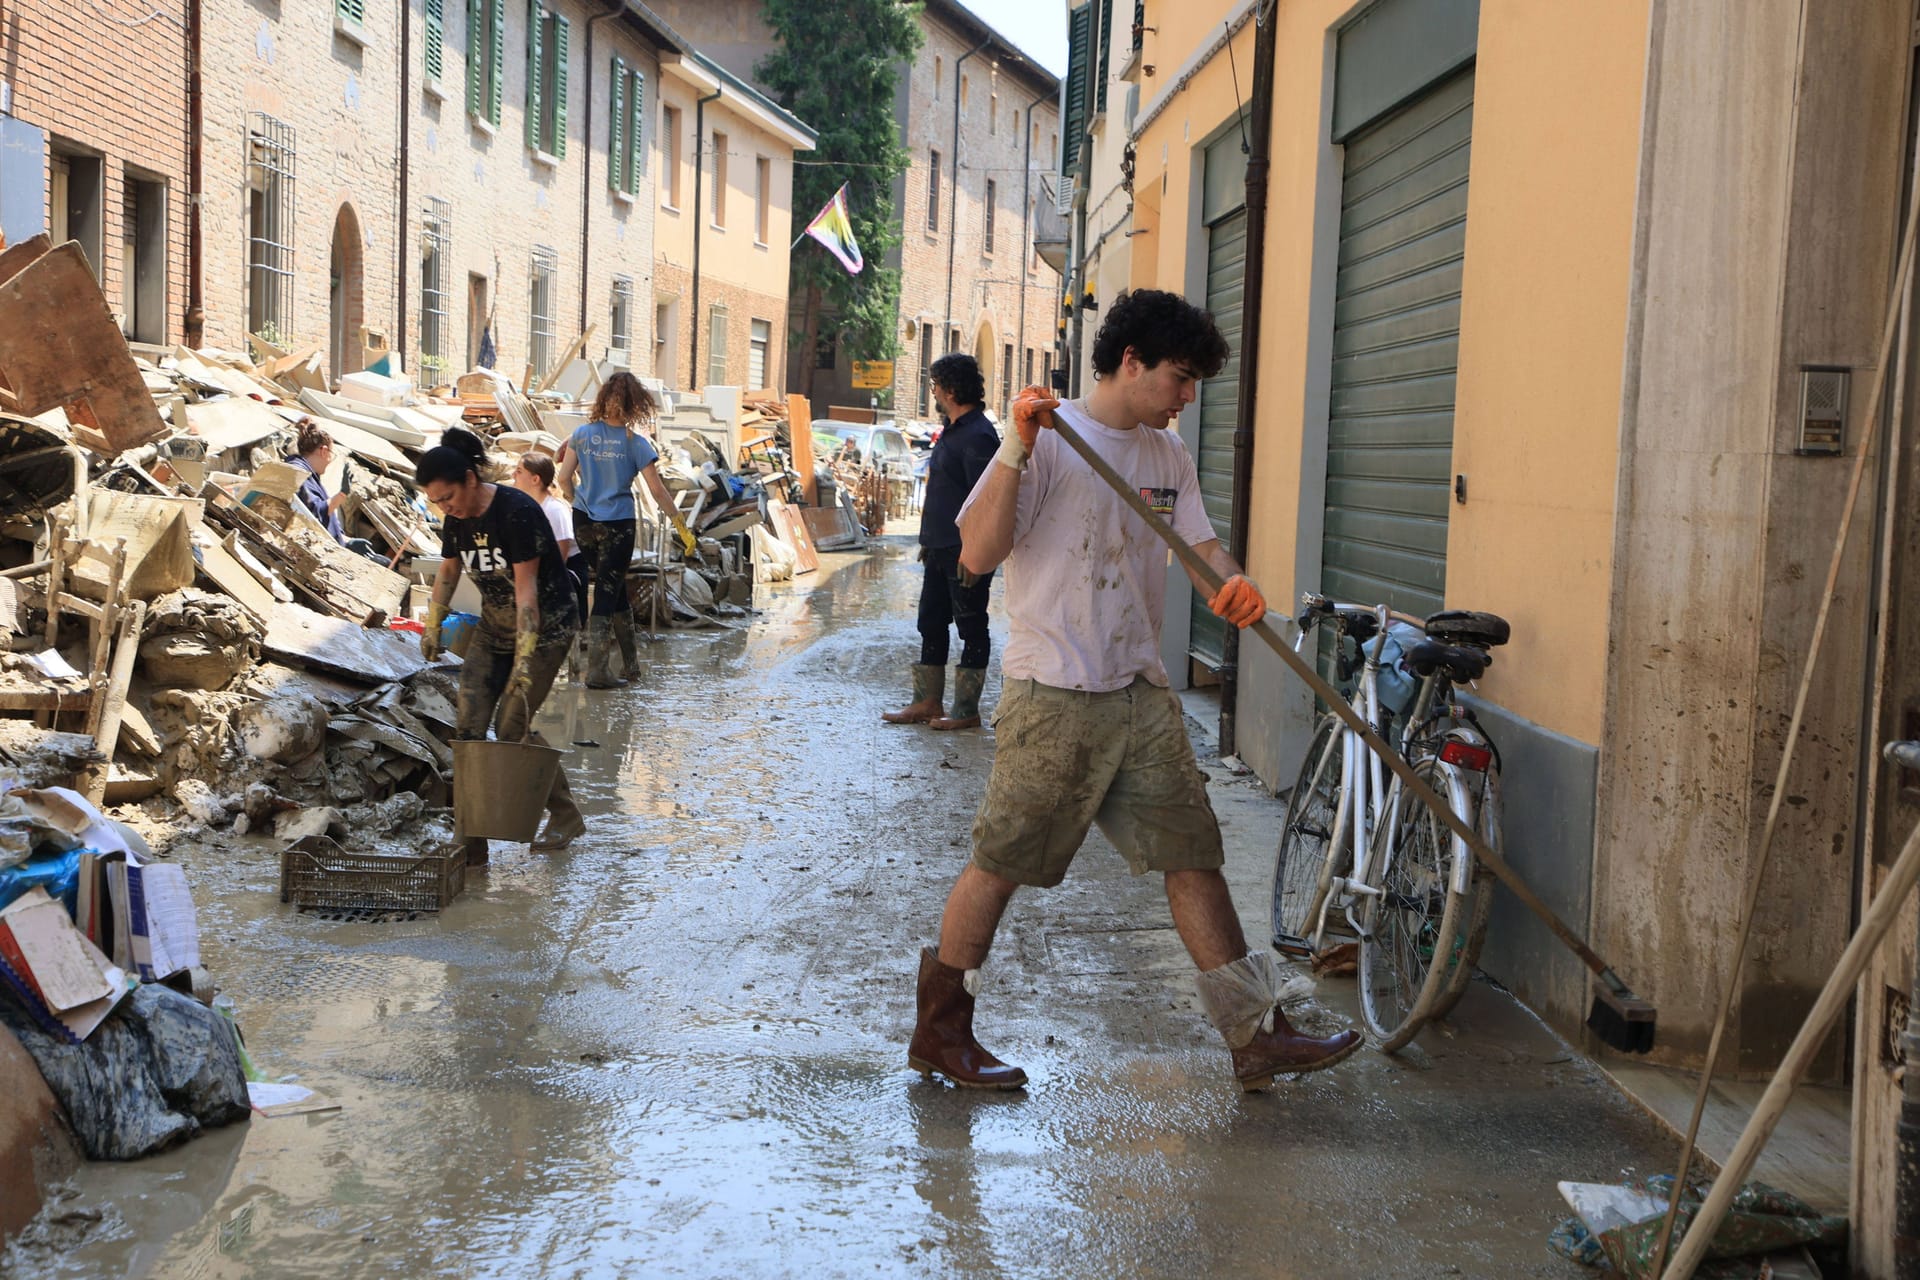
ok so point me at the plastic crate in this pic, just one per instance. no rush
(317, 872)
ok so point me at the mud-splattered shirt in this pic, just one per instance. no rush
(512, 530)
(1087, 580)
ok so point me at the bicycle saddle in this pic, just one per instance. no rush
(1465, 626)
(1459, 662)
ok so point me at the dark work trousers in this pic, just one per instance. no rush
(944, 603)
(577, 566)
(608, 547)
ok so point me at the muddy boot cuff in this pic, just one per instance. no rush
(1240, 996)
(967, 684)
(929, 684)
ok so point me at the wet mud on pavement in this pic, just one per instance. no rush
(678, 1048)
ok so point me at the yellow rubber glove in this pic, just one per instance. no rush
(1239, 601)
(520, 679)
(687, 541)
(430, 646)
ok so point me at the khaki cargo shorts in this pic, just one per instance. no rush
(1064, 760)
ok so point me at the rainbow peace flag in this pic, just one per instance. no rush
(832, 228)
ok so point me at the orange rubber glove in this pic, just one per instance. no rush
(1032, 411)
(1239, 601)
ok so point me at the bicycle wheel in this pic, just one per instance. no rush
(1466, 948)
(1411, 924)
(1308, 857)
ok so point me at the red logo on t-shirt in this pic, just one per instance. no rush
(1161, 500)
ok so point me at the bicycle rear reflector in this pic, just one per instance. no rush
(1465, 755)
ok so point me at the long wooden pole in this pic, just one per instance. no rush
(1756, 876)
(1826, 1010)
(1204, 572)
(133, 621)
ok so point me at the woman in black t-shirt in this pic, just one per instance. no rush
(501, 537)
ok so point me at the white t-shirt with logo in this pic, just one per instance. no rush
(1087, 579)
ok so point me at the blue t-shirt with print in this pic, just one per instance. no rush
(610, 460)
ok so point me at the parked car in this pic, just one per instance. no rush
(882, 447)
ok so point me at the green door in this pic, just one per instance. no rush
(1396, 339)
(1226, 216)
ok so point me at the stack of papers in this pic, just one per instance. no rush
(63, 980)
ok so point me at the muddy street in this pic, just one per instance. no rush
(678, 1048)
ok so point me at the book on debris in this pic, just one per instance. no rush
(155, 933)
(61, 979)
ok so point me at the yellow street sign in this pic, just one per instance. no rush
(872, 375)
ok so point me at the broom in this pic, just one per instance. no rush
(1621, 1019)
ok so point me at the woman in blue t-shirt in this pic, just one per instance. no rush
(604, 457)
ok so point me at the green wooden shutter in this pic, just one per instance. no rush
(617, 127)
(497, 65)
(436, 39)
(1079, 23)
(354, 11)
(559, 87)
(476, 57)
(637, 132)
(535, 99)
(1103, 49)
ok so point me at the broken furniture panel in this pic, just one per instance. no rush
(60, 348)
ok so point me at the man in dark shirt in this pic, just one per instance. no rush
(949, 595)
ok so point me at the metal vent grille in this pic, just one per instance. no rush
(1823, 410)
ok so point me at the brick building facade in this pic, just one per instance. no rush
(110, 172)
(967, 206)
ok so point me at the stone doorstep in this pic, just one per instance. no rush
(36, 1147)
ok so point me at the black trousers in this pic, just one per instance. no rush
(608, 547)
(946, 602)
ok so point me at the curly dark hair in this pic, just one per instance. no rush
(1159, 326)
(625, 402)
(959, 375)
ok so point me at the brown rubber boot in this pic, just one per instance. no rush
(929, 692)
(565, 822)
(623, 637)
(943, 1040)
(599, 655)
(967, 684)
(1284, 1051)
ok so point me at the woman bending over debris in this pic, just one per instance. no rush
(602, 461)
(314, 451)
(527, 620)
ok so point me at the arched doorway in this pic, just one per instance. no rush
(346, 294)
(984, 350)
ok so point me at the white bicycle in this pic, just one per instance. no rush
(1414, 901)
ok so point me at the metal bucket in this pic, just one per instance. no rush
(500, 788)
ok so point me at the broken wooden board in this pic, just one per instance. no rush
(368, 417)
(18, 257)
(831, 528)
(159, 534)
(60, 347)
(793, 531)
(233, 423)
(349, 585)
(220, 567)
(315, 642)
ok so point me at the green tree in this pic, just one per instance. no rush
(837, 68)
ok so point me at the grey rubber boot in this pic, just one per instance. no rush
(967, 684)
(623, 636)
(929, 692)
(600, 655)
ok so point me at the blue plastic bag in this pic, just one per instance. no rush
(57, 873)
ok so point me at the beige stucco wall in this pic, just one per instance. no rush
(734, 260)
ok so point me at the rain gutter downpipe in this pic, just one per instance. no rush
(586, 162)
(1026, 217)
(405, 166)
(1259, 151)
(196, 318)
(953, 221)
(699, 174)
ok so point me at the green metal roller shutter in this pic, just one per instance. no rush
(1223, 209)
(1396, 337)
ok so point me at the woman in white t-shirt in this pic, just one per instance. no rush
(534, 477)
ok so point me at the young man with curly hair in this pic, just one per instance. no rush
(1087, 729)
